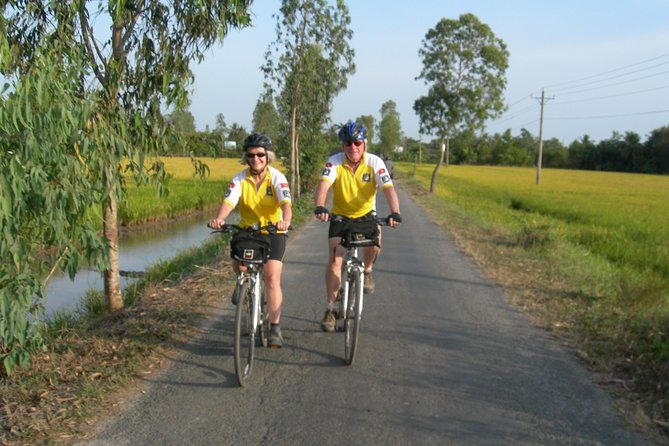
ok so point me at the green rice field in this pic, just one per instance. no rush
(186, 192)
(619, 220)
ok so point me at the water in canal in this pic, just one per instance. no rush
(138, 250)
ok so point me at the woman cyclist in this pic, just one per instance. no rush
(263, 197)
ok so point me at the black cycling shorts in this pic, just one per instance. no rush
(277, 244)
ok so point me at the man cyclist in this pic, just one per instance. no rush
(355, 177)
(263, 197)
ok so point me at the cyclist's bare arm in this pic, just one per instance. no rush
(393, 204)
(286, 215)
(320, 197)
(223, 213)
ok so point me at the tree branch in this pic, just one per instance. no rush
(87, 38)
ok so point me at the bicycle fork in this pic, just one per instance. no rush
(351, 266)
(253, 278)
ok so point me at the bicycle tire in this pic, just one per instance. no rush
(352, 321)
(244, 335)
(341, 300)
(263, 325)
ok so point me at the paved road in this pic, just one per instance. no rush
(443, 360)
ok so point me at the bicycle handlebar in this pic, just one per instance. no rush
(229, 227)
(378, 220)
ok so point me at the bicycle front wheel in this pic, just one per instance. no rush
(352, 321)
(244, 335)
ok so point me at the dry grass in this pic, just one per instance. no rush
(82, 378)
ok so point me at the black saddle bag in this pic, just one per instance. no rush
(250, 248)
(360, 232)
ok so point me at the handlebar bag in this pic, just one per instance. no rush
(360, 232)
(250, 248)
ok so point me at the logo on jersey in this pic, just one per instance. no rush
(385, 178)
(286, 193)
(283, 185)
(269, 191)
(326, 172)
(366, 177)
(382, 171)
(229, 191)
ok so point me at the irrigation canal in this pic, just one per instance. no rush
(138, 251)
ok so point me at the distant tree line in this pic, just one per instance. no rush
(619, 153)
(622, 152)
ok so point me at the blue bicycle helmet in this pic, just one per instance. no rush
(352, 131)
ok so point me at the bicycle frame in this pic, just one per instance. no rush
(253, 275)
(350, 264)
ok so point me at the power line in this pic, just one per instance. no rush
(607, 72)
(614, 84)
(573, 88)
(615, 95)
(615, 77)
(656, 112)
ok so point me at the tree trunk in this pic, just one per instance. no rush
(298, 177)
(112, 277)
(436, 168)
(293, 149)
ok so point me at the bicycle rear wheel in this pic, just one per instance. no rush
(244, 335)
(352, 321)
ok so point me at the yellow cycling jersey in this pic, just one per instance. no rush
(354, 194)
(262, 205)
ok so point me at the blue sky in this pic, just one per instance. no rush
(604, 64)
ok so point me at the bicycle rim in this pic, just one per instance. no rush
(352, 322)
(244, 335)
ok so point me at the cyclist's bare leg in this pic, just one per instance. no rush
(333, 269)
(272, 273)
(370, 254)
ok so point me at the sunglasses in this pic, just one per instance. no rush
(253, 155)
(356, 143)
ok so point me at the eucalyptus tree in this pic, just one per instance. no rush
(464, 65)
(369, 122)
(306, 66)
(390, 127)
(183, 121)
(266, 118)
(109, 67)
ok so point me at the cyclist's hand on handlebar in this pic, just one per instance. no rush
(282, 225)
(216, 223)
(322, 213)
(394, 220)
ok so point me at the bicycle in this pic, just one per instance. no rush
(358, 233)
(251, 316)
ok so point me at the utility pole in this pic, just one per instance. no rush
(542, 101)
